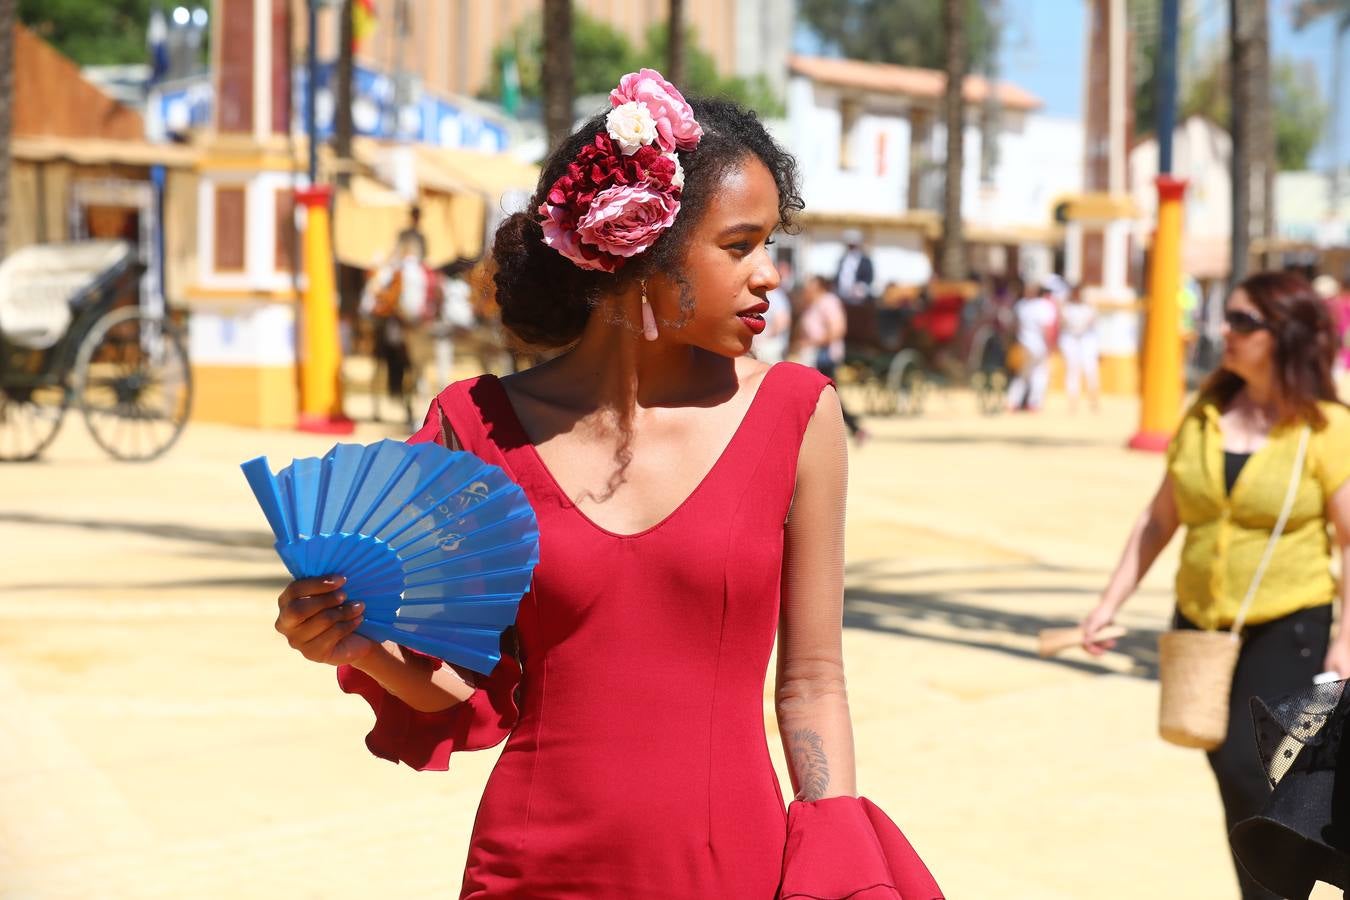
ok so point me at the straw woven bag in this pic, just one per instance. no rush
(1196, 667)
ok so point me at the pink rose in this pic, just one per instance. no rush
(560, 233)
(676, 128)
(625, 220)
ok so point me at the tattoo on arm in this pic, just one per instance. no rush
(809, 764)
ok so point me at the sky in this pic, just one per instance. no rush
(1043, 52)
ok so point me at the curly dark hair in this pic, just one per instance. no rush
(1305, 348)
(546, 299)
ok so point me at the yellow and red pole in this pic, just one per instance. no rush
(1163, 386)
(1162, 383)
(320, 346)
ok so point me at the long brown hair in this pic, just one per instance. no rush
(1305, 348)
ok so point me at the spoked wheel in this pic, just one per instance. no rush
(878, 400)
(133, 384)
(990, 378)
(31, 411)
(991, 391)
(907, 382)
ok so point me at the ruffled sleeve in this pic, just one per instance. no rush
(421, 740)
(426, 740)
(846, 848)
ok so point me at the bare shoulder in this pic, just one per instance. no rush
(750, 371)
(827, 420)
(822, 458)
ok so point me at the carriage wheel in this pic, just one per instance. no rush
(881, 400)
(992, 395)
(907, 382)
(990, 380)
(133, 384)
(30, 413)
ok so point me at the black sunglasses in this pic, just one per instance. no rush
(1244, 322)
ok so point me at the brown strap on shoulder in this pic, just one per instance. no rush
(448, 437)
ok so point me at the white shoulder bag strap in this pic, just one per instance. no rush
(1283, 520)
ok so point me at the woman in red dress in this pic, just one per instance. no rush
(691, 508)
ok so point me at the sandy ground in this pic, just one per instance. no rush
(157, 738)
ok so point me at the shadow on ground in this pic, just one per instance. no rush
(177, 531)
(1017, 440)
(913, 614)
(939, 617)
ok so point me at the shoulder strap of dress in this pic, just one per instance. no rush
(795, 394)
(463, 415)
(778, 416)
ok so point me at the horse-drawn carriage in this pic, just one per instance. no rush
(897, 352)
(70, 339)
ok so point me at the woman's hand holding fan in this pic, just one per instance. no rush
(320, 623)
(438, 546)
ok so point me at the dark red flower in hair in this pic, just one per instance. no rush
(635, 216)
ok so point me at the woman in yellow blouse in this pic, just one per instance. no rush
(1228, 473)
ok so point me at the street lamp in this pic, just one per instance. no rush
(185, 34)
(312, 82)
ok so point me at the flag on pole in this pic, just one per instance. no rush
(363, 21)
(157, 40)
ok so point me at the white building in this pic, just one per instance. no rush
(1304, 212)
(870, 142)
(1306, 227)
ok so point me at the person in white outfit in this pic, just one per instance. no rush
(1078, 346)
(771, 345)
(456, 316)
(1035, 315)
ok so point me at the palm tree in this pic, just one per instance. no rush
(7, 22)
(1253, 173)
(675, 47)
(952, 251)
(557, 74)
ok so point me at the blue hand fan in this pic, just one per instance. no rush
(438, 544)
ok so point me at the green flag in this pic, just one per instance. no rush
(510, 85)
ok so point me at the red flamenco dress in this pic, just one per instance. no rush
(636, 765)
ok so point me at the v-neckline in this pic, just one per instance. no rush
(527, 444)
(1254, 458)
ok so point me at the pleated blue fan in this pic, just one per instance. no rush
(439, 545)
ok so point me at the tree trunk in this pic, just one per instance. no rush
(952, 251)
(1253, 175)
(1262, 123)
(675, 46)
(7, 22)
(342, 115)
(557, 74)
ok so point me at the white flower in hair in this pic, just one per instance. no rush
(631, 126)
(678, 181)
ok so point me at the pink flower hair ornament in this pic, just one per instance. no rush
(623, 189)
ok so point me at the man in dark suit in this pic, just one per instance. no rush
(853, 282)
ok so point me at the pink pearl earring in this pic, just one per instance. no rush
(648, 318)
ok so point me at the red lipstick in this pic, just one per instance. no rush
(753, 317)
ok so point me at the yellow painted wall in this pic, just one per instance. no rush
(1119, 374)
(255, 396)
